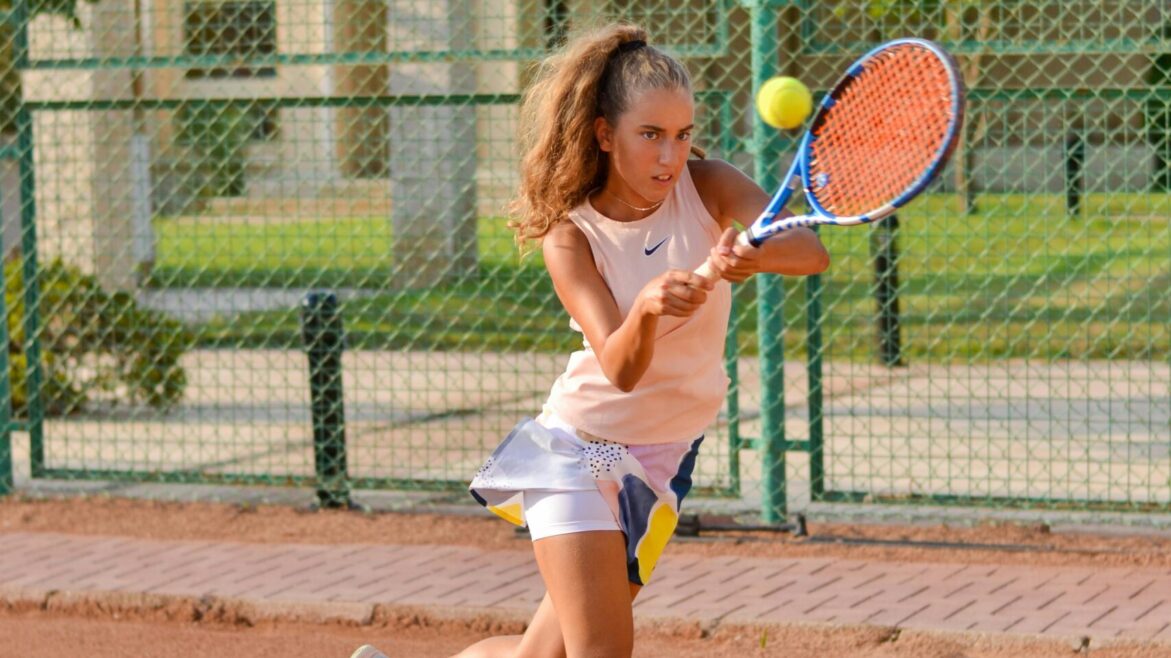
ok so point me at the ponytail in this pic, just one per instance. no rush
(595, 74)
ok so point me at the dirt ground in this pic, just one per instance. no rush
(96, 634)
(994, 543)
(37, 635)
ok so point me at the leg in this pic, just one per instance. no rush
(579, 548)
(585, 573)
(542, 638)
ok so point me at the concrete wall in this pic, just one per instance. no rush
(84, 176)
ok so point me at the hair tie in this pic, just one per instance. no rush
(633, 44)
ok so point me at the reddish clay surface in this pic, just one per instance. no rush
(96, 633)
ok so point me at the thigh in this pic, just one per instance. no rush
(549, 513)
(585, 574)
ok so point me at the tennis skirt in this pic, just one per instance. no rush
(643, 485)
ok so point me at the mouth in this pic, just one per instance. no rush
(663, 179)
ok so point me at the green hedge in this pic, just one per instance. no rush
(94, 344)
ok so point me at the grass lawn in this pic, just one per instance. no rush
(1017, 278)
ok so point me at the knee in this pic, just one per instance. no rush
(610, 642)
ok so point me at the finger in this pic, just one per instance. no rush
(696, 281)
(687, 278)
(724, 267)
(679, 308)
(688, 294)
(727, 240)
(745, 251)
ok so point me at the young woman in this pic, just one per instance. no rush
(623, 215)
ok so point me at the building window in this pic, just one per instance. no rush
(246, 121)
(237, 29)
(265, 121)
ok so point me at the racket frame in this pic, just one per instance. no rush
(766, 224)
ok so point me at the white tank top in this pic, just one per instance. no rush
(682, 391)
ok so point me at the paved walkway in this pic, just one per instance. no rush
(351, 580)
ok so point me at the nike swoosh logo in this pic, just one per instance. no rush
(650, 250)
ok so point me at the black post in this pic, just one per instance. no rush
(321, 329)
(1075, 158)
(886, 290)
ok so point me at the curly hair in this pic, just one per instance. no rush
(591, 76)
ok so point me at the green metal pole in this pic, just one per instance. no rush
(732, 368)
(7, 479)
(770, 292)
(28, 255)
(814, 317)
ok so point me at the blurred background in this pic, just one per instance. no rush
(264, 242)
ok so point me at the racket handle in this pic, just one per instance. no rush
(707, 271)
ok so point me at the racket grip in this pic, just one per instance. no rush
(707, 271)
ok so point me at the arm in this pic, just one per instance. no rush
(730, 197)
(624, 345)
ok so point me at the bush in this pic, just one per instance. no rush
(94, 344)
(217, 136)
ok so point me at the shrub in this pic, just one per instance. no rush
(94, 344)
(217, 136)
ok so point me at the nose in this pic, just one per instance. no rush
(669, 150)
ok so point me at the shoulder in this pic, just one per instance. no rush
(565, 240)
(569, 260)
(708, 168)
(718, 184)
(564, 233)
(711, 176)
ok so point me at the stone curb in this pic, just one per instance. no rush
(119, 605)
(170, 607)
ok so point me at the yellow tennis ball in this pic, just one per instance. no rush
(783, 102)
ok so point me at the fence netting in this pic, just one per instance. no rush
(178, 178)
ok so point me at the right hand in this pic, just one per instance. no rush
(676, 292)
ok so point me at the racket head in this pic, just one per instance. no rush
(883, 132)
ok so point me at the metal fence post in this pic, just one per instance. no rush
(30, 269)
(322, 331)
(770, 292)
(7, 478)
(884, 249)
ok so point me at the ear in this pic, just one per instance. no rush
(604, 133)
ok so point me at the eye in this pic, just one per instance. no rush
(650, 134)
(683, 137)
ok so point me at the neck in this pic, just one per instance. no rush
(622, 204)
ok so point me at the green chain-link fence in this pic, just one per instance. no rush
(178, 177)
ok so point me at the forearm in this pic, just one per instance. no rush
(797, 252)
(626, 354)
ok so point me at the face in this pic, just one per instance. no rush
(649, 146)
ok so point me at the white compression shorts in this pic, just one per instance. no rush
(550, 513)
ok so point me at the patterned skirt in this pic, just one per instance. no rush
(643, 484)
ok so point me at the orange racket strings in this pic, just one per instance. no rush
(886, 129)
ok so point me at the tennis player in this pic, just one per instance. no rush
(625, 208)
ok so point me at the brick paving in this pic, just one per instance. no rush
(1101, 603)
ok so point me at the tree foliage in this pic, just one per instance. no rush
(96, 345)
(10, 90)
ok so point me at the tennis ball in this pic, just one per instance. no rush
(784, 102)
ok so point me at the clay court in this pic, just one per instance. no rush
(125, 608)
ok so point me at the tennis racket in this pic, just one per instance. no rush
(878, 138)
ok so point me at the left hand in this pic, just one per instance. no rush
(734, 262)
